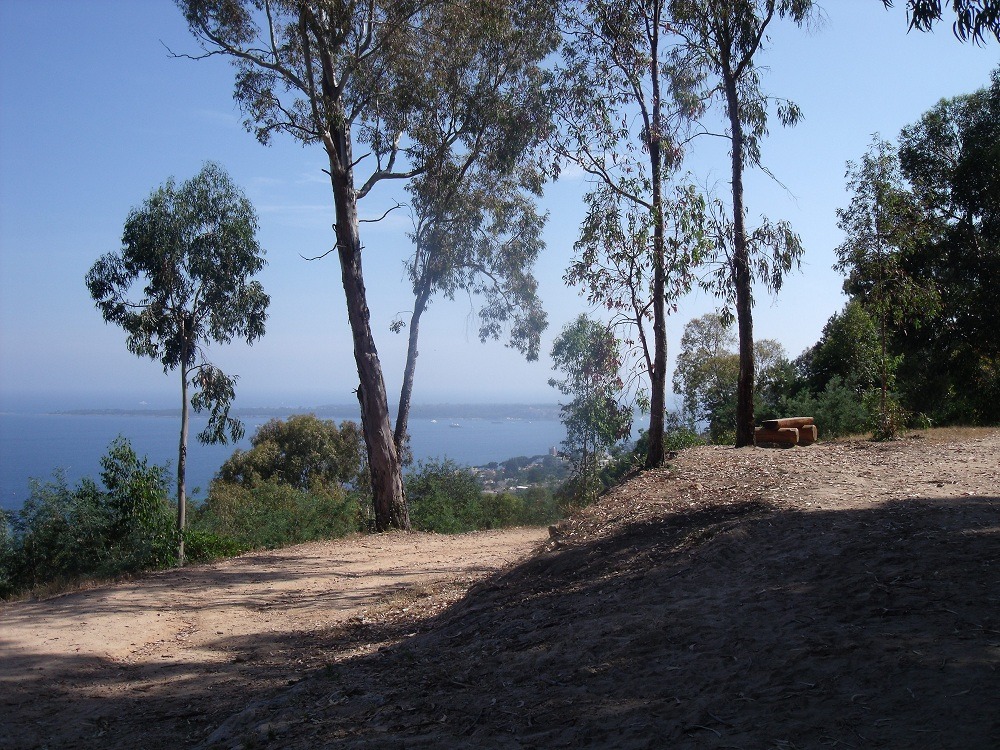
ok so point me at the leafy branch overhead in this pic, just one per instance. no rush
(973, 18)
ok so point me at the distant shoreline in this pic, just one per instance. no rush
(345, 411)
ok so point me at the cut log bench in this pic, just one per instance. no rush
(786, 433)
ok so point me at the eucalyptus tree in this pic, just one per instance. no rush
(588, 354)
(400, 78)
(620, 67)
(972, 17)
(707, 372)
(724, 39)
(476, 231)
(193, 249)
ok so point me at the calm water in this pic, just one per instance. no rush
(33, 445)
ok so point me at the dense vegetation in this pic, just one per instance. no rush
(917, 342)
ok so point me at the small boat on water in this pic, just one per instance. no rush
(454, 424)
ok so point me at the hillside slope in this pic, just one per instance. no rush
(844, 595)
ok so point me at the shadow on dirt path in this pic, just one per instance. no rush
(740, 626)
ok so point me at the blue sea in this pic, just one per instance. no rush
(33, 445)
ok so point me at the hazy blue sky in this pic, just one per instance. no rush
(94, 114)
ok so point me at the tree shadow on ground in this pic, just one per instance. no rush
(734, 626)
(726, 626)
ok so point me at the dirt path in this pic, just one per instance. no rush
(169, 654)
(844, 595)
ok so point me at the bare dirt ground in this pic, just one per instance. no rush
(161, 660)
(841, 595)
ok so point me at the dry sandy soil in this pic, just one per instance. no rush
(841, 595)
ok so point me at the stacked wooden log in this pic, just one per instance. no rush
(787, 432)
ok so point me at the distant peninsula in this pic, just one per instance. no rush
(347, 411)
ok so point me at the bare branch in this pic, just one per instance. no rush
(320, 257)
(380, 218)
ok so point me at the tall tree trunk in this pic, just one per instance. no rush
(406, 390)
(383, 459)
(741, 274)
(658, 376)
(182, 450)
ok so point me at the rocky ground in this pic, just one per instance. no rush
(840, 595)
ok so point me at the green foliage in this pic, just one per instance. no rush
(838, 408)
(707, 372)
(952, 165)
(449, 499)
(202, 545)
(538, 507)
(724, 40)
(304, 452)
(192, 250)
(882, 226)
(588, 355)
(140, 533)
(269, 513)
(886, 416)
(64, 534)
(444, 497)
(303, 479)
(973, 18)
(478, 231)
(396, 89)
(848, 350)
(627, 101)
(9, 562)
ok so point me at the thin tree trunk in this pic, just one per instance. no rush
(658, 375)
(182, 464)
(406, 390)
(383, 459)
(741, 275)
(883, 405)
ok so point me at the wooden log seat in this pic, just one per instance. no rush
(808, 434)
(784, 436)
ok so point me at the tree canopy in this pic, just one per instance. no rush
(406, 82)
(587, 353)
(621, 65)
(303, 451)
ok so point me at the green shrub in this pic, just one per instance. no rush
(501, 509)
(8, 557)
(201, 545)
(838, 409)
(539, 507)
(271, 514)
(64, 534)
(680, 438)
(884, 424)
(444, 497)
(142, 529)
